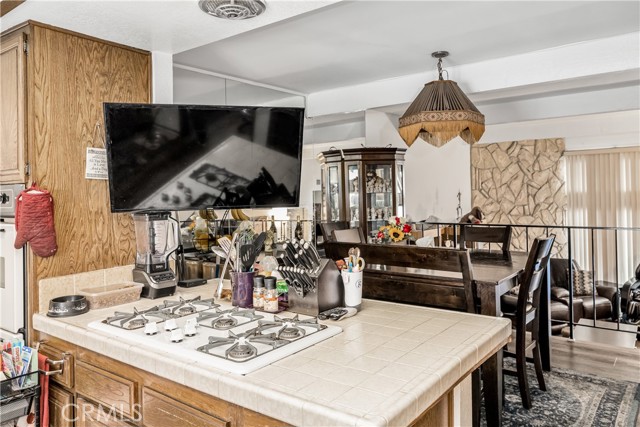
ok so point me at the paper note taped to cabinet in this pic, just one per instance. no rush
(96, 164)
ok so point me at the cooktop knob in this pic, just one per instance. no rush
(176, 335)
(170, 325)
(151, 328)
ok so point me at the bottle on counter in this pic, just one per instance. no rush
(283, 292)
(258, 292)
(270, 295)
(298, 231)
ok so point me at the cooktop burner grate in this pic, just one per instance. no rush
(242, 347)
(290, 329)
(137, 319)
(227, 319)
(184, 307)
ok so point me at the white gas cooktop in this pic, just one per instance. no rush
(223, 337)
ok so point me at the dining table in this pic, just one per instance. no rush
(390, 277)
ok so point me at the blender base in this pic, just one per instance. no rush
(154, 288)
(190, 283)
(154, 293)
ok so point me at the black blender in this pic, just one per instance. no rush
(152, 254)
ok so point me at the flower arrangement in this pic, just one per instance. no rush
(396, 230)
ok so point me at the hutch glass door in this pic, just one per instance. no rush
(333, 198)
(353, 195)
(379, 196)
(400, 208)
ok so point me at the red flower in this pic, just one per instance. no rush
(397, 221)
(380, 234)
(406, 228)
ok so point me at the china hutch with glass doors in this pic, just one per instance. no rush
(364, 186)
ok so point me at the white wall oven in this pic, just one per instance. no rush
(13, 287)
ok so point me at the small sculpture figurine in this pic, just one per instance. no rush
(459, 208)
(374, 183)
(473, 217)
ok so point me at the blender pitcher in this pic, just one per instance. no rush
(152, 253)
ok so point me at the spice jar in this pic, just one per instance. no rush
(270, 295)
(258, 292)
(209, 270)
(193, 269)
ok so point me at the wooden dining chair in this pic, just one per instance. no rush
(351, 235)
(328, 227)
(500, 234)
(527, 313)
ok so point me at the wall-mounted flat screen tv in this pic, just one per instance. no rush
(184, 157)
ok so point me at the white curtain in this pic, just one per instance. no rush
(603, 189)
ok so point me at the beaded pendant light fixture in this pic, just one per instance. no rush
(441, 112)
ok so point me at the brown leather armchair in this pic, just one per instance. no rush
(604, 302)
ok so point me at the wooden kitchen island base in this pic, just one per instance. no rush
(108, 393)
(111, 393)
(392, 365)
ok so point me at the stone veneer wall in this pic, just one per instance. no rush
(521, 182)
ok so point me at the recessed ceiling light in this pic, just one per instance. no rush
(233, 9)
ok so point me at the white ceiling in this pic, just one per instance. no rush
(314, 46)
(165, 26)
(350, 43)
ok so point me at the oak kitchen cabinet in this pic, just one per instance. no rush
(363, 186)
(61, 407)
(92, 415)
(54, 83)
(109, 393)
(12, 108)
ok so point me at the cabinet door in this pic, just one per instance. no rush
(334, 192)
(65, 378)
(110, 390)
(92, 415)
(379, 196)
(400, 207)
(61, 408)
(12, 109)
(353, 189)
(159, 410)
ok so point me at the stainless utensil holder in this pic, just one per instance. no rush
(327, 293)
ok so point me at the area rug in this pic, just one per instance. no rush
(572, 399)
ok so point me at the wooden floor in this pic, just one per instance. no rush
(596, 359)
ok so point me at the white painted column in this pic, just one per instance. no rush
(162, 77)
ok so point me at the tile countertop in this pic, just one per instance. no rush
(390, 363)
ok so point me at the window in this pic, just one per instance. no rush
(603, 190)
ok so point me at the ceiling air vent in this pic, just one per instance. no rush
(233, 9)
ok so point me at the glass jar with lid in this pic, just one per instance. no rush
(258, 292)
(270, 295)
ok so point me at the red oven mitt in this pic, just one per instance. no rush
(34, 221)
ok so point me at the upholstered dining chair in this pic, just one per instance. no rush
(500, 234)
(350, 235)
(527, 313)
(328, 227)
